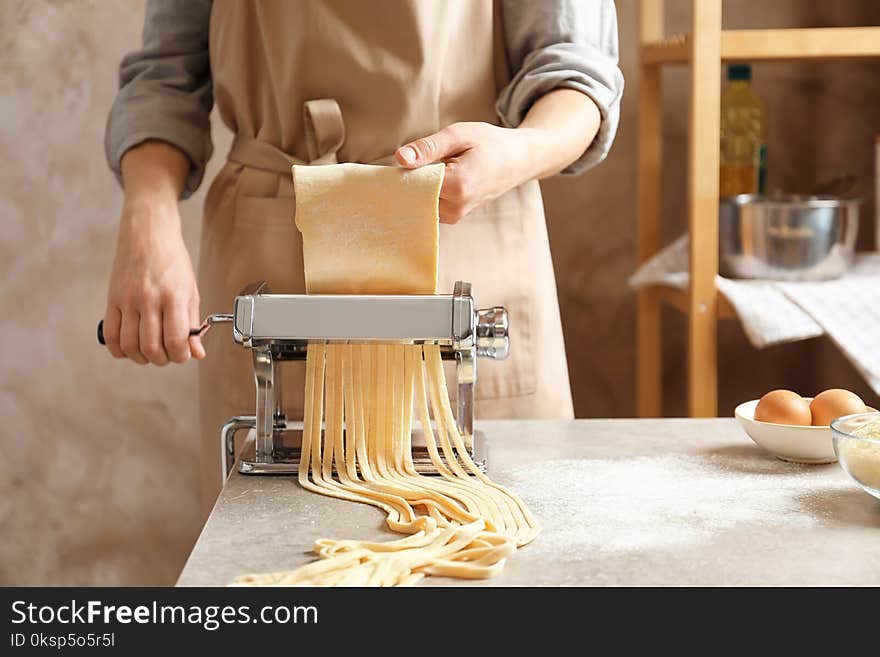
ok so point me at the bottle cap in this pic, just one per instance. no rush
(739, 72)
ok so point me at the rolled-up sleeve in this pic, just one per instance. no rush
(553, 44)
(165, 87)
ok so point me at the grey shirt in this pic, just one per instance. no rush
(165, 87)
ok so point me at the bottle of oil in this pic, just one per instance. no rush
(743, 147)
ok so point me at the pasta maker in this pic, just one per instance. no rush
(279, 327)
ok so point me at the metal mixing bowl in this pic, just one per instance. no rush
(789, 238)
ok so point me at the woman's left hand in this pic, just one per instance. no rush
(482, 161)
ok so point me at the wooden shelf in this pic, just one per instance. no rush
(821, 43)
(671, 50)
(678, 298)
(703, 49)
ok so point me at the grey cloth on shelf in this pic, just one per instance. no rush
(165, 87)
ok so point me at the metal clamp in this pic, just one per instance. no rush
(227, 441)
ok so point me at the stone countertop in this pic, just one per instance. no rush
(622, 502)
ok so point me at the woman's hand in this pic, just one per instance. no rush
(483, 161)
(153, 299)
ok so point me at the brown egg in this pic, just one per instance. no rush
(833, 403)
(783, 407)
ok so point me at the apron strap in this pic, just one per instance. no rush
(262, 155)
(325, 133)
(325, 130)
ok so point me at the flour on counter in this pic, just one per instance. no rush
(631, 505)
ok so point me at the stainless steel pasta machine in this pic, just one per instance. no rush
(279, 327)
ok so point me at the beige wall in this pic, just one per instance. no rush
(98, 480)
(99, 483)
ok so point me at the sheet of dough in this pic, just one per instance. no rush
(368, 229)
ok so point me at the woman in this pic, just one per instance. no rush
(406, 82)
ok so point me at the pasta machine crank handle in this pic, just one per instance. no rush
(210, 320)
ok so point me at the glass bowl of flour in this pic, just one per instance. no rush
(857, 445)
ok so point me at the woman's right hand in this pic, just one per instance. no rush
(153, 299)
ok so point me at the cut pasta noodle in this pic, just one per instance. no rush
(368, 398)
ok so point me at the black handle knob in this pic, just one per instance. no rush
(101, 332)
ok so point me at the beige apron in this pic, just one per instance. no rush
(344, 80)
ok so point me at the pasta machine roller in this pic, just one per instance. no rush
(278, 327)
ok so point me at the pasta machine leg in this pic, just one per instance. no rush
(264, 376)
(466, 376)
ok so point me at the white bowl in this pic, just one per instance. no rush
(789, 442)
